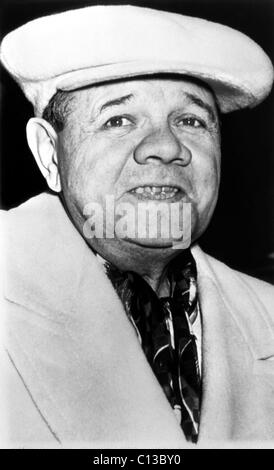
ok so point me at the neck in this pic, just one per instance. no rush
(156, 279)
(149, 263)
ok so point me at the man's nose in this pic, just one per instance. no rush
(163, 146)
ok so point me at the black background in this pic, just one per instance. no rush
(242, 230)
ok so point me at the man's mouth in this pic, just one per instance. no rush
(156, 192)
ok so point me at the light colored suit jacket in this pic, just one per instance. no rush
(73, 372)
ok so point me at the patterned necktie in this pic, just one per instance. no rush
(164, 330)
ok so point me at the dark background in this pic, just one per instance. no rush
(242, 230)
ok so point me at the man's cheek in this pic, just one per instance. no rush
(209, 179)
(205, 180)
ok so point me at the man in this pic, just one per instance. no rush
(114, 336)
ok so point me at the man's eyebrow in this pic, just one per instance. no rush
(202, 104)
(116, 102)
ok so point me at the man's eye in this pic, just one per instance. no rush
(191, 121)
(117, 121)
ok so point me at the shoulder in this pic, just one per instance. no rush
(263, 290)
(28, 209)
(19, 224)
(234, 282)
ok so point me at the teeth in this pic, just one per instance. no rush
(157, 192)
(148, 190)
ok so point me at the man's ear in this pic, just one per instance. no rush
(42, 140)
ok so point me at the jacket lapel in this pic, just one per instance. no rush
(237, 338)
(216, 370)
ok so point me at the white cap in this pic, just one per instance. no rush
(90, 45)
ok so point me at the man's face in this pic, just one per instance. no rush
(149, 140)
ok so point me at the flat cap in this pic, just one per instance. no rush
(94, 44)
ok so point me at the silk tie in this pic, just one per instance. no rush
(164, 330)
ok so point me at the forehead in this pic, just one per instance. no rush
(149, 88)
